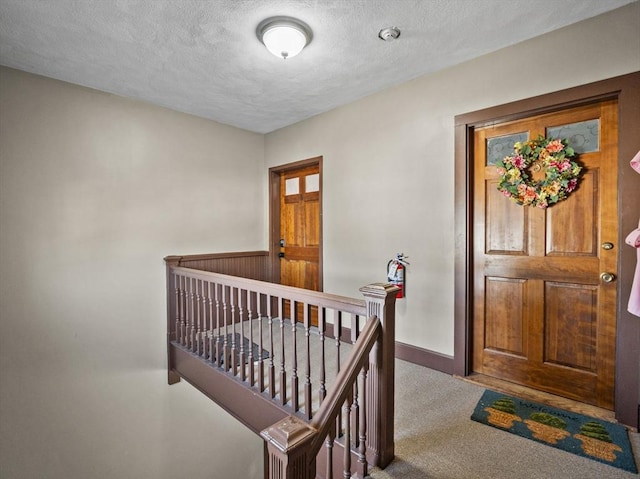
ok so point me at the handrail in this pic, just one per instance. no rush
(332, 301)
(294, 441)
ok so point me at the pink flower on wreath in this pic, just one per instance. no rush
(555, 146)
(571, 185)
(565, 165)
(517, 161)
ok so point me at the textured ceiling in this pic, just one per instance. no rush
(203, 57)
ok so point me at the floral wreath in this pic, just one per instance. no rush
(550, 155)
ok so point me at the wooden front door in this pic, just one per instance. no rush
(543, 316)
(300, 231)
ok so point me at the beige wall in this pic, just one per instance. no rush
(389, 161)
(94, 191)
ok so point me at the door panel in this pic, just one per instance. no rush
(507, 233)
(543, 318)
(506, 333)
(571, 325)
(570, 230)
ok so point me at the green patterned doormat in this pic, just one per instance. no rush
(582, 435)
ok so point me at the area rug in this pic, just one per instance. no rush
(582, 435)
(246, 345)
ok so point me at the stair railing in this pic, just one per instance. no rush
(293, 444)
(213, 321)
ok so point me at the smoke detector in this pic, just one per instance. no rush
(389, 34)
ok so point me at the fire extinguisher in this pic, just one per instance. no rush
(395, 272)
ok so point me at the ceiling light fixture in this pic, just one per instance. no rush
(285, 37)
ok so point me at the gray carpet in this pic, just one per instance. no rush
(436, 439)
(435, 436)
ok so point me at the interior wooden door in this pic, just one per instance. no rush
(544, 317)
(300, 230)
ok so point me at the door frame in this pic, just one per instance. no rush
(626, 89)
(274, 216)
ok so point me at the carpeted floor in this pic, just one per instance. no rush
(436, 439)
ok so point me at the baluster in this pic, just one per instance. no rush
(250, 358)
(234, 346)
(355, 414)
(225, 309)
(347, 439)
(205, 319)
(191, 315)
(183, 309)
(260, 345)
(272, 369)
(176, 283)
(241, 318)
(337, 331)
(329, 445)
(294, 375)
(219, 319)
(283, 373)
(355, 328)
(210, 289)
(187, 311)
(322, 326)
(198, 317)
(362, 439)
(307, 378)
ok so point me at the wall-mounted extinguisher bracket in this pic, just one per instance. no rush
(396, 273)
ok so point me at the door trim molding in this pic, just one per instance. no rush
(274, 216)
(626, 89)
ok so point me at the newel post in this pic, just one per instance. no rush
(381, 302)
(288, 448)
(172, 307)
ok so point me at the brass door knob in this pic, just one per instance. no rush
(607, 245)
(607, 277)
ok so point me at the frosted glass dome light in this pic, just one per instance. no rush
(284, 37)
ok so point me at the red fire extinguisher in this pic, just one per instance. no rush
(395, 273)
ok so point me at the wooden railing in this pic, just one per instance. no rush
(293, 444)
(269, 353)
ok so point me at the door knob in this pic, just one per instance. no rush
(607, 277)
(607, 245)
